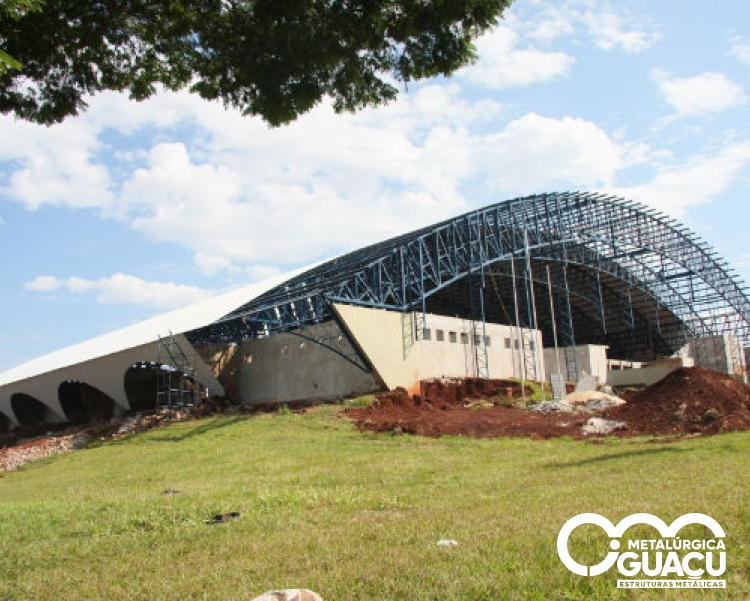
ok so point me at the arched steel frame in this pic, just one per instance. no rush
(621, 274)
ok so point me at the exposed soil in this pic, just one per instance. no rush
(689, 401)
(450, 407)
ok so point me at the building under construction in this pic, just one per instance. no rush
(483, 294)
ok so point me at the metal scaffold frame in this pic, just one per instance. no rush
(586, 267)
(176, 384)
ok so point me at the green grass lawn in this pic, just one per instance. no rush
(350, 515)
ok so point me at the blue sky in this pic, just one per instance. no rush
(133, 209)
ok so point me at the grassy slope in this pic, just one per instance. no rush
(351, 516)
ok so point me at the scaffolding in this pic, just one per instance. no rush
(176, 384)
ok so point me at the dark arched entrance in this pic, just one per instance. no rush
(29, 410)
(141, 381)
(83, 403)
(4, 423)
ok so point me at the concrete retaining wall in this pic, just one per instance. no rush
(286, 367)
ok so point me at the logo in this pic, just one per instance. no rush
(670, 558)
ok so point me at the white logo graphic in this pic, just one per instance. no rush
(700, 552)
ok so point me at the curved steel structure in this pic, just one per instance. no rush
(581, 267)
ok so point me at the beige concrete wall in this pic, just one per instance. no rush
(106, 374)
(457, 353)
(286, 367)
(402, 356)
(388, 340)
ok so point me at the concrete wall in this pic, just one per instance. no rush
(722, 353)
(457, 353)
(648, 374)
(388, 340)
(445, 346)
(591, 360)
(106, 374)
(286, 367)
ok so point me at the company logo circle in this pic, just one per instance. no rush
(615, 532)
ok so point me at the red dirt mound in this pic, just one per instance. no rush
(444, 407)
(689, 400)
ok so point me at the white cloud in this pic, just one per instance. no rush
(704, 93)
(56, 165)
(502, 65)
(611, 30)
(548, 22)
(740, 50)
(248, 195)
(677, 188)
(124, 289)
(536, 153)
(43, 283)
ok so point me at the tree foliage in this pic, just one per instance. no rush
(273, 58)
(14, 10)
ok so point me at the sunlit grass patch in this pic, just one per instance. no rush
(350, 515)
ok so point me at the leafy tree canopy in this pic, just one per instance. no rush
(273, 58)
(14, 9)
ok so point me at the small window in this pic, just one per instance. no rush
(531, 345)
(515, 344)
(426, 334)
(487, 341)
(440, 335)
(507, 343)
(464, 338)
(452, 336)
(477, 339)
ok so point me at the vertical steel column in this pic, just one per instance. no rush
(478, 342)
(421, 323)
(530, 322)
(517, 343)
(552, 319)
(483, 366)
(565, 310)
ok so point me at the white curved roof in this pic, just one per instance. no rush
(177, 322)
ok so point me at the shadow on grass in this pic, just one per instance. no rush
(206, 426)
(613, 456)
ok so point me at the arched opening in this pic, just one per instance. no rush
(4, 423)
(141, 381)
(83, 403)
(30, 411)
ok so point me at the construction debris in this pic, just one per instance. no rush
(589, 402)
(598, 426)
